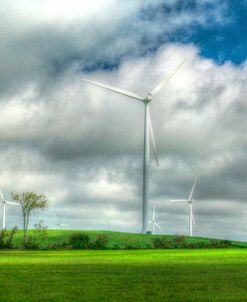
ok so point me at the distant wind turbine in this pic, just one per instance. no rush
(190, 203)
(58, 220)
(148, 133)
(153, 221)
(5, 202)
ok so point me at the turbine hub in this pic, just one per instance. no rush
(148, 98)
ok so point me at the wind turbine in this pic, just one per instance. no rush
(190, 203)
(5, 202)
(148, 133)
(58, 221)
(153, 221)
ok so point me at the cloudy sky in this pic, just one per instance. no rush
(83, 146)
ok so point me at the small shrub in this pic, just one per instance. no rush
(116, 247)
(157, 243)
(161, 243)
(224, 243)
(3, 235)
(79, 241)
(197, 245)
(213, 243)
(40, 231)
(6, 238)
(132, 247)
(202, 245)
(9, 241)
(59, 246)
(100, 243)
(192, 245)
(148, 246)
(179, 241)
(31, 243)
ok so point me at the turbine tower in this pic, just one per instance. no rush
(5, 202)
(190, 203)
(148, 133)
(153, 221)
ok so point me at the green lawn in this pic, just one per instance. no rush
(140, 275)
(118, 239)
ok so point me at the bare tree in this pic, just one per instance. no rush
(31, 203)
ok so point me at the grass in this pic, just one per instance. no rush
(140, 275)
(115, 238)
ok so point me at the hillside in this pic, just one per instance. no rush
(116, 240)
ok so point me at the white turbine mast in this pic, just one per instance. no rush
(153, 221)
(148, 133)
(6, 202)
(190, 203)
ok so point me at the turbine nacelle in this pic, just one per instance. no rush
(148, 98)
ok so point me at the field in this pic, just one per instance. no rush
(142, 275)
(116, 239)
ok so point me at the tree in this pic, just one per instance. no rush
(31, 203)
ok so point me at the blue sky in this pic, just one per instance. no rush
(226, 41)
(221, 37)
(217, 29)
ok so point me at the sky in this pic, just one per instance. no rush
(82, 145)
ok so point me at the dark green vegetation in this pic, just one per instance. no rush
(150, 275)
(115, 240)
(6, 238)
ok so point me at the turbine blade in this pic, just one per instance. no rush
(55, 215)
(193, 188)
(156, 224)
(153, 139)
(116, 90)
(153, 211)
(12, 203)
(1, 195)
(66, 225)
(192, 214)
(193, 219)
(166, 79)
(175, 200)
(58, 220)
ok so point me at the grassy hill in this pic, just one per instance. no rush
(115, 239)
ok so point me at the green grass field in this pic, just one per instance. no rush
(115, 238)
(141, 275)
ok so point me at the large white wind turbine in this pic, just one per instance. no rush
(190, 203)
(148, 133)
(153, 221)
(5, 202)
